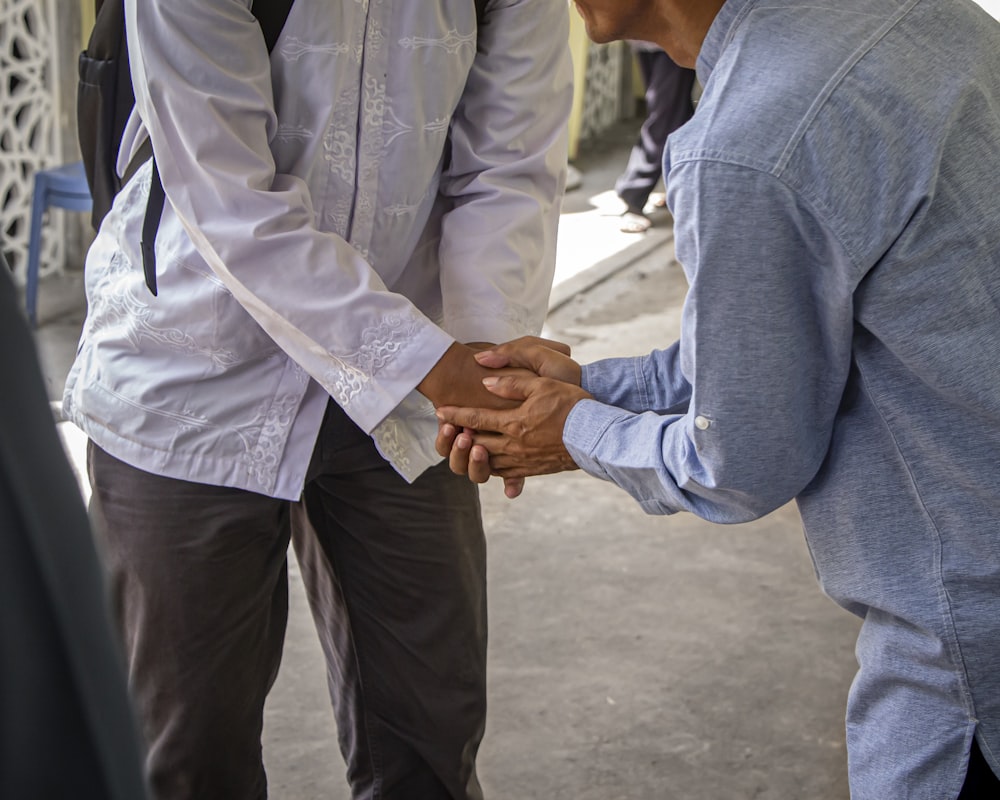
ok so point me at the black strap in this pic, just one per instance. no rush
(150, 224)
(271, 14)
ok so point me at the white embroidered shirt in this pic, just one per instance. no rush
(384, 183)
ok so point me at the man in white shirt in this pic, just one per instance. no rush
(343, 218)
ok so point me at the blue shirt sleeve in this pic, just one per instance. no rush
(654, 382)
(764, 353)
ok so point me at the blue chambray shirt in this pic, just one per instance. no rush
(837, 207)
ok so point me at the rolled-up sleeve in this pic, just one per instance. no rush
(653, 382)
(765, 346)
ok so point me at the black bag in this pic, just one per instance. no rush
(104, 103)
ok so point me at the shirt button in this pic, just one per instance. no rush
(702, 423)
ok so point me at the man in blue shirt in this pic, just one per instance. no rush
(836, 199)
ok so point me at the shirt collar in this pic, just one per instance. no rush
(721, 30)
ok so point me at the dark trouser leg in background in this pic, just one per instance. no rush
(396, 578)
(668, 106)
(199, 582)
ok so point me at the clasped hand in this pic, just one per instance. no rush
(543, 382)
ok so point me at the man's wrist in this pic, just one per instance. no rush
(435, 383)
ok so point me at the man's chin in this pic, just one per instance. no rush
(598, 36)
(593, 33)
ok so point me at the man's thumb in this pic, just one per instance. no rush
(492, 359)
(509, 387)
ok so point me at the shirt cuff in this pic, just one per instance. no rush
(405, 438)
(586, 424)
(371, 383)
(589, 379)
(616, 381)
(494, 325)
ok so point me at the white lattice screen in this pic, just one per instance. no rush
(602, 102)
(29, 125)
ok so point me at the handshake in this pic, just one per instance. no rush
(514, 429)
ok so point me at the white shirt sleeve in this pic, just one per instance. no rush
(507, 173)
(201, 74)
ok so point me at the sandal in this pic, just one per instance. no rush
(634, 222)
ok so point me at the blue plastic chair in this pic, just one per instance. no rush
(62, 187)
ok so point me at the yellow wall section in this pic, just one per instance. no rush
(87, 19)
(579, 45)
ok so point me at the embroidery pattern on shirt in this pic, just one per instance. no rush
(338, 144)
(188, 420)
(290, 133)
(340, 153)
(395, 127)
(269, 432)
(439, 125)
(373, 108)
(354, 372)
(294, 48)
(516, 316)
(371, 143)
(401, 209)
(451, 43)
(120, 307)
(141, 180)
(375, 36)
(392, 441)
(337, 216)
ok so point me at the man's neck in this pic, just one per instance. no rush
(680, 27)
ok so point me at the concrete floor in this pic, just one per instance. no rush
(631, 656)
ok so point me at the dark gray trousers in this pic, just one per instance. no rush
(396, 579)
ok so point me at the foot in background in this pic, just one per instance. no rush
(634, 221)
(574, 178)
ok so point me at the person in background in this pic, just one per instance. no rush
(835, 211)
(669, 104)
(348, 218)
(67, 730)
